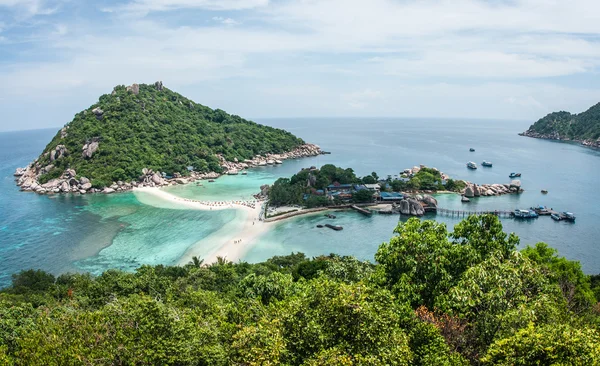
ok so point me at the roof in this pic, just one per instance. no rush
(372, 186)
(391, 195)
(334, 186)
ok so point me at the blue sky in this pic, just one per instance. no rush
(494, 59)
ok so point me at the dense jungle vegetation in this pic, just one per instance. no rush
(160, 130)
(432, 297)
(582, 126)
(292, 191)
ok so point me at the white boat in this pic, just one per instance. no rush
(471, 165)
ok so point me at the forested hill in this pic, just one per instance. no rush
(433, 298)
(150, 126)
(583, 127)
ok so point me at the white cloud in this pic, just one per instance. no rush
(225, 21)
(434, 57)
(142, 7)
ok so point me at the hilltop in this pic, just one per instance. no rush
(583, 127)
(144, 133)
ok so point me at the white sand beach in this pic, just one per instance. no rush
(233, 240)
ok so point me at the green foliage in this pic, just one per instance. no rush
(433, 298)
(291, 191)
(552, 344)
(159, 130)
(362, 196)
(580, 126)
(574, 284)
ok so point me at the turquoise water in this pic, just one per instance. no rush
(96, 232)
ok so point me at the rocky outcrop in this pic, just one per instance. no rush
(90, 148)
(484, 190)
(98, 112)
(302, 151)
(58, 152)
(134, 88)
(415, 206)
(158, 85)
(63, 132)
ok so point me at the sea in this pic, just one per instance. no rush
(75, 233)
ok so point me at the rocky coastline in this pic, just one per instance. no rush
(475, 190)
(557, 137)
(69, 182)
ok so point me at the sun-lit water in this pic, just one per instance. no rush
(96, 232)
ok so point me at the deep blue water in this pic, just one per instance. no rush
(96, 232)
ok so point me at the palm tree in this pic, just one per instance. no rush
(196, 262)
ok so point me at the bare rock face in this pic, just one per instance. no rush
(90, 148)
(158, 85)
(429, 201)
(476, 190)
(404, 207)
(134, 88)
(65, 187)
(98, 112)
(83, 180)
(86, 186)
(469, 192)
(63, 132)
(69, 174)
(58, 152)
(157, 179)
(19, 172)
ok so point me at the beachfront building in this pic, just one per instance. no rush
(390, 196)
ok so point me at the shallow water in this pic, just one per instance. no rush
(96, 232)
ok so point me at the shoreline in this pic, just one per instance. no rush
(232, 241)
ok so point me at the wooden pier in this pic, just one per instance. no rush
(465, 213)
(362, 210)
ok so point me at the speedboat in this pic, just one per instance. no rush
(569, 216)
(525, 214)
(471, 149)
(471, 165)
(514, 175)
(556, 217)
(487, 163)
(544, 191)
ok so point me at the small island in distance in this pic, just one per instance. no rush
(564, 126)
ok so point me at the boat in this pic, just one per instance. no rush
(471, 165)
(465, 199)
(569, 216)
(514, 175)
(330, 216)
(525, 214)
(471, 149)
(211, 180)
(334, 227)
(244, 172)
(544, 191)
(541, 210)
(325, 152)
(556, 217)
(487, 163)
(319, 226)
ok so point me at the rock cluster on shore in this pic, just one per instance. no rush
(302, 151)
(415, 205)
(69, 182)
(556, 136)
(474, 190)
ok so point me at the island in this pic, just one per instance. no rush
(330, 187)
(147, 135)
(564, 126)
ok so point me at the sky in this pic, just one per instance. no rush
(483, 59)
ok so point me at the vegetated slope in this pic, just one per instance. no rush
(150, 126)
(432, 298)
(584, 127)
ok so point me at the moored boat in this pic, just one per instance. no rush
(514, 175)
(556, 217)
(465, 199)
(569, 216)
(471, 165)
(544, 191)
(244, 172)
(487, 163)
(471, 149)
(525, 214)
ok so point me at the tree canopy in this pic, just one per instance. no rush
(433, 297)
(156, 129)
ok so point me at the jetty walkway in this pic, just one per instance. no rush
(465, 213)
